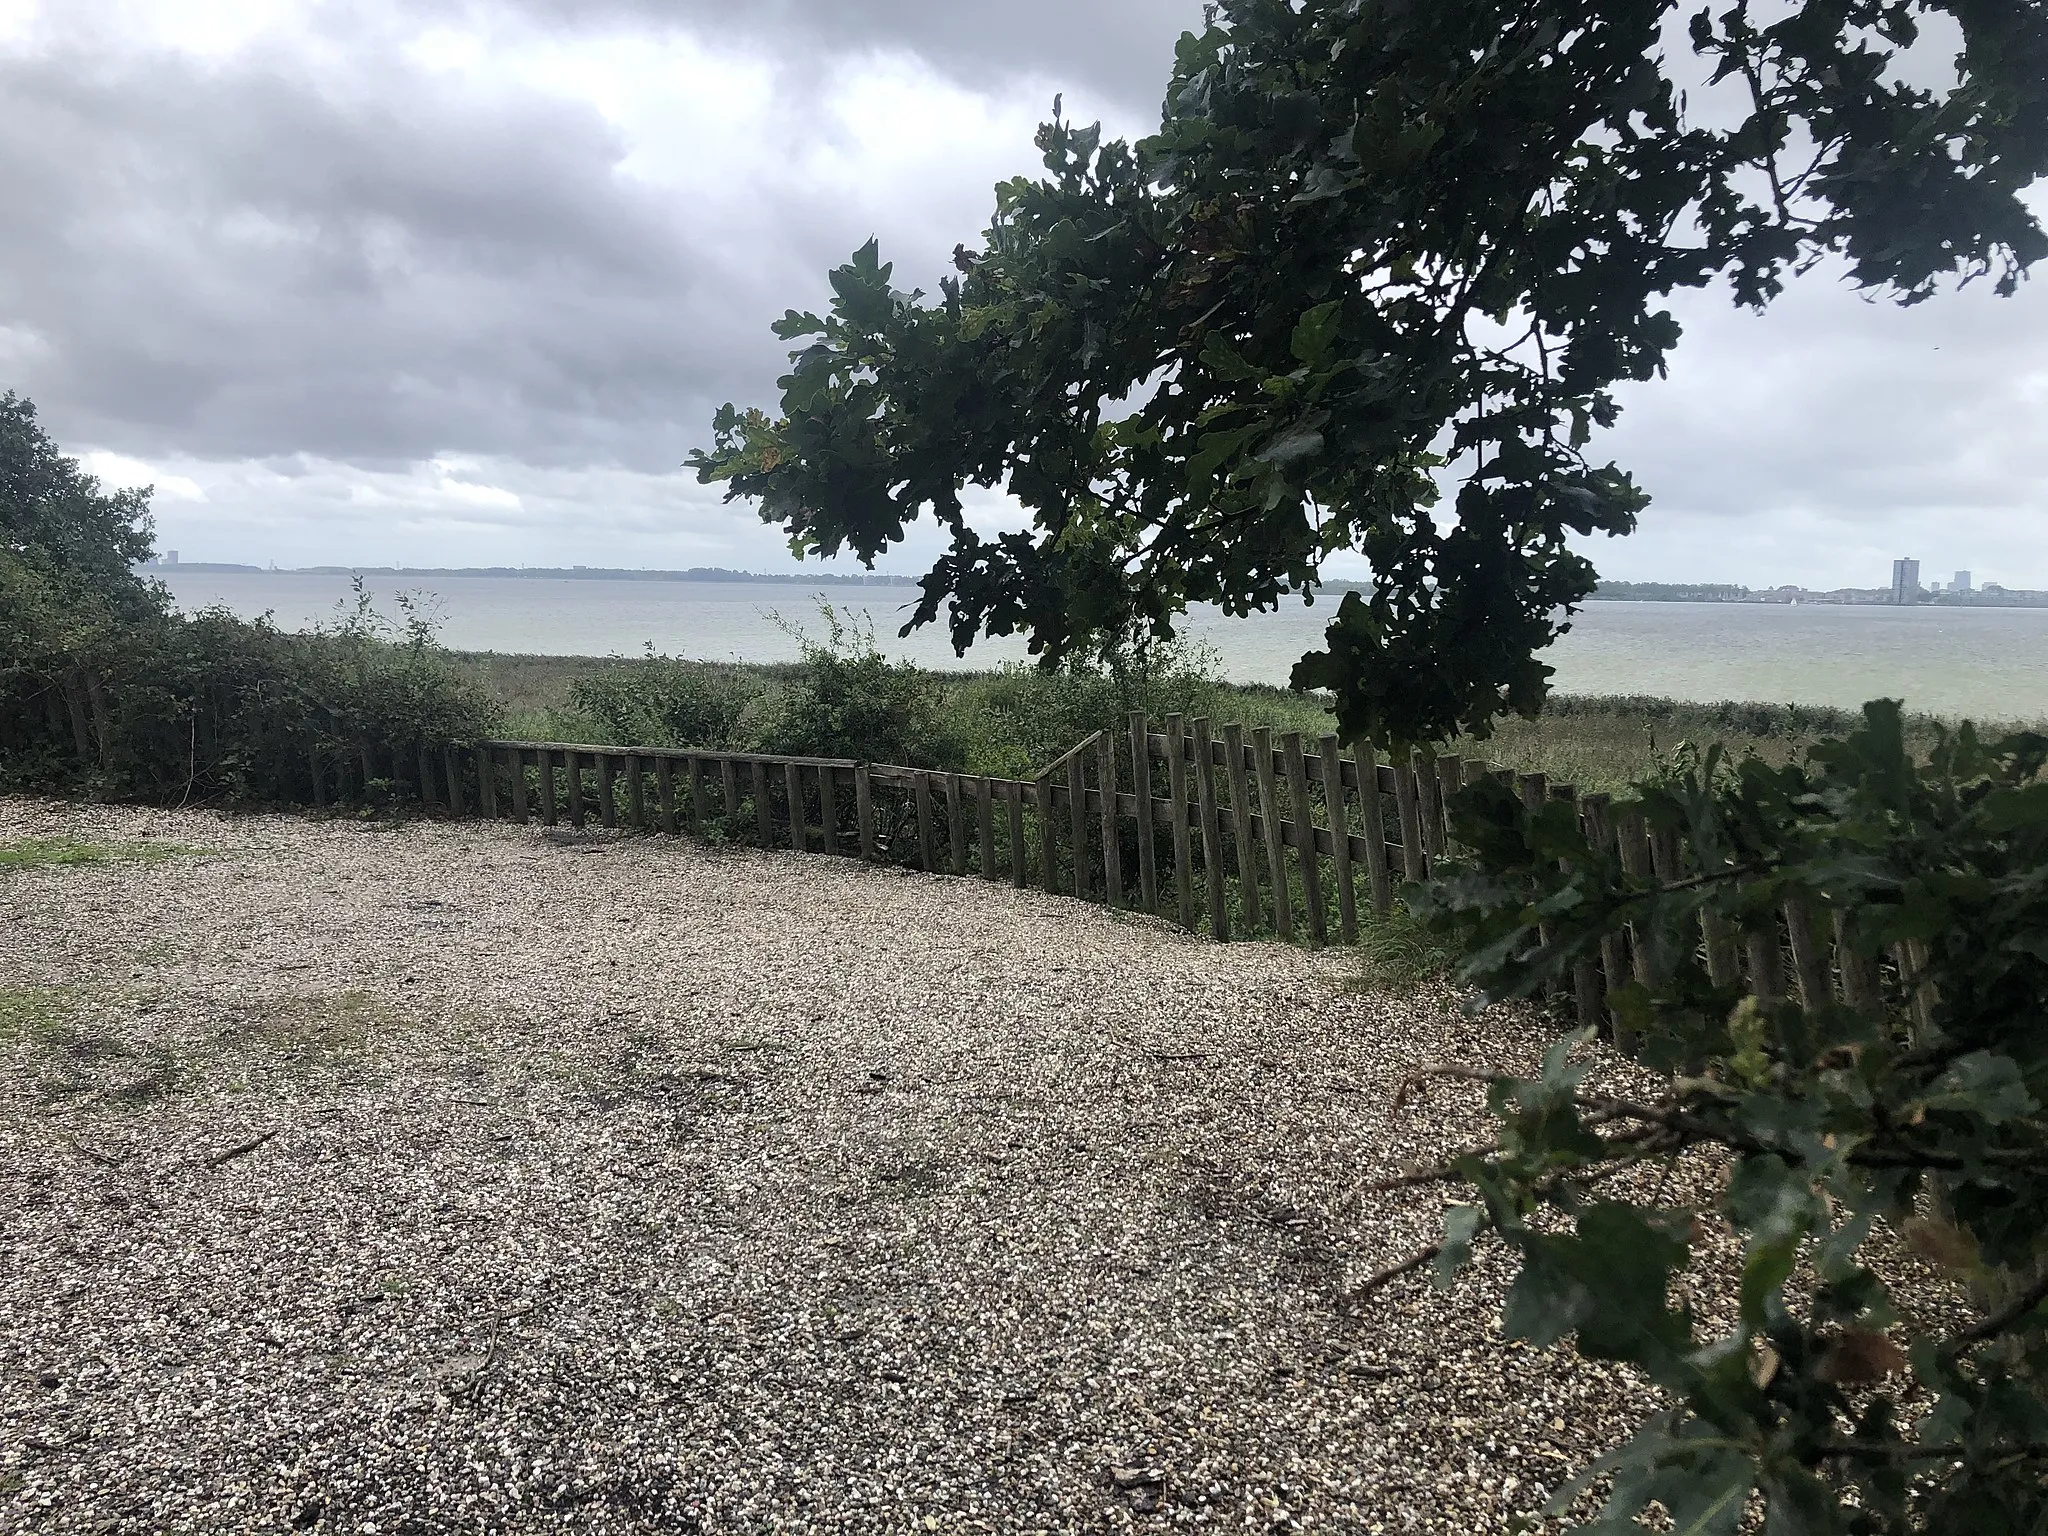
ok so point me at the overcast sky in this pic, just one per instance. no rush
(459, 282)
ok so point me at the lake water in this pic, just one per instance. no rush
(1989, 663)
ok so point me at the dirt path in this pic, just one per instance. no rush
(450, 1178)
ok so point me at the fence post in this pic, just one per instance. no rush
(793, 791)
(320, 776)
(451, 770)
(1212, 832)
(1241, 826)
(1177, 798)
(1375, 815)
(426, 774)
(1013, 805)
(1414, 861)
(636, 792)
(572, 762)
(1766, 961)
(864, 810)
(1613, 948)
(1077, 816)
(1048, 835)
(1141, 772)
(1861, 989)
(1112, 842)
(985, 825)
(927, 851)
(1809, 961)
(607, 797)
(522, 809)
(956, 825)
(1305, 837)
(1585, 975)
(728, 793)
(1634, 837)
(1450, 778)
(486, 783)
(764, 814)
(1428, 803)
(665, 792)
(1269, 826)
(549, 810)
(1340, 840)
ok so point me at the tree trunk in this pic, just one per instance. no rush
(81, 732)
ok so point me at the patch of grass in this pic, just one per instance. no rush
(64, 852)
(1396, 953)
(31, 1016)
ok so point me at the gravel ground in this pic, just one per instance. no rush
(447, 1178)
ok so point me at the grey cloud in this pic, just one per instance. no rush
(1110, 56)
(254, 259)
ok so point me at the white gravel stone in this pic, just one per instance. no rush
(620, 1184)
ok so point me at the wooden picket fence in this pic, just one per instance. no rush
(1234, 833)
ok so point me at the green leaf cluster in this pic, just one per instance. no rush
(1376, 249)
(1910, 1106)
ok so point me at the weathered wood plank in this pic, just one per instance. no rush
(1177, 824)
(522, 808)
(1271, 832)
(607, 799)
(451, 769)
(1599, 822)
(572, 765)
(1013, 806)
(864, 810)
(985, 826)
(1450, 778)
(793, 791)
(1340, 840)
(1534, 789)
(1634, 838)
(1048, 834)
(956, 824)
(550, 807)
(729, 794)
(486, 784)
(764, 813)
(1408, 806)
(1809, 960)
(1374, 813)
(693, 788)
(1861, 988)
(1077, 822)
(1240, 816)
(927, 841)
(425, 771)
(1305, 837)
(1428, 803)
(665, 792)
(1766, 961)
(636, 793)
(1587, 998)
(1212, 833)
(1112, 837)
(1148, 855)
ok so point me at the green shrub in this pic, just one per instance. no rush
(846, 699)
(660, 701)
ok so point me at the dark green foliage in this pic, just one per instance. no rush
(656, 701)
(1371, 242)
(1920, 1111)
(847, 700)
(102, 687)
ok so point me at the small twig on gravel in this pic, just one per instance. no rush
(1393, 1272)
(105, 1160)
(242, 1149)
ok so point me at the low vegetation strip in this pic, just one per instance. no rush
(463, 1177)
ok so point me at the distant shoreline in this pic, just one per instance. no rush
(555, 573)
(1612, 591)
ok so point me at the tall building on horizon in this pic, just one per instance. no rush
(1905, 581)
(1961, 583)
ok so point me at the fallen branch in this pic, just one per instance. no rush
(105, 1160)
(242, 1149)
(1393, 1272)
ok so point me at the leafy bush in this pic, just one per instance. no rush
(1912, 1107)
(846, 699)
(659, 701)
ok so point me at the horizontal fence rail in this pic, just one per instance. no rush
(1229, 832)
